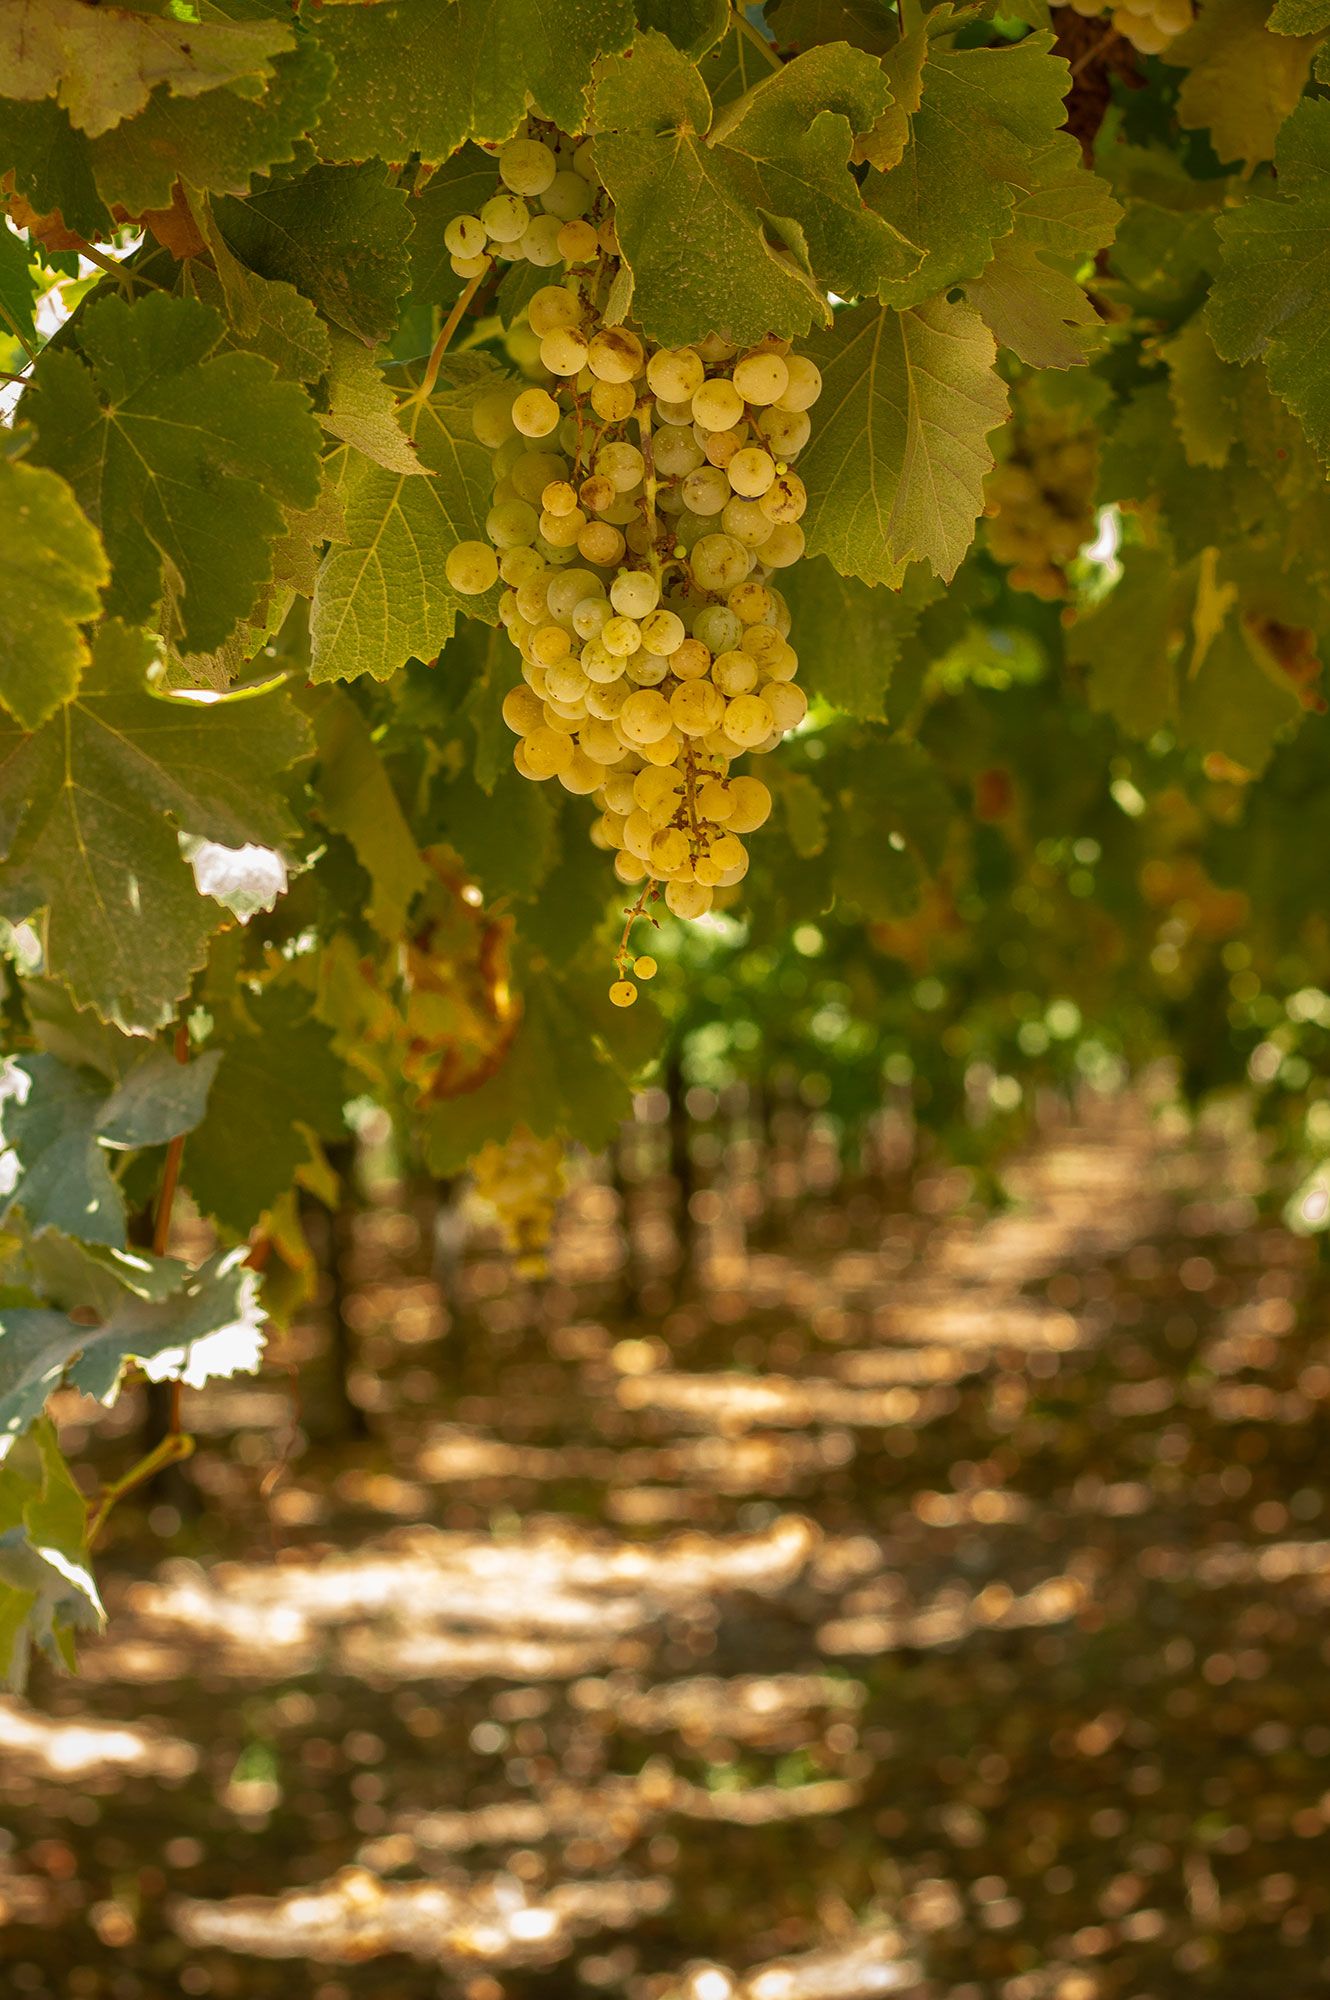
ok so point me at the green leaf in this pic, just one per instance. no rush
(417, 78)
(1299, 17)
(337, 233)
(505, 836)
(67, 1115)
(1242, 82)
(849, 634)
(1206, 396)
(51, 166)
(176, 451)
(383, 597)
(984, 118)
(363, 411)
(64, 1180)
(460, 187)
(898, 457)
(1029, 295)
(52, 571)
(806, 813)
(356, 799)
(158, 1099)
(1169, 649)
(774, 216)
(102, 64)
(89, 811)
(217, 144)
(46, 1590)
(567, 1071)
(894, 819)
(19, 287)
(692, 25)
(1269, 298)
(279, 1080)
(211, 1325)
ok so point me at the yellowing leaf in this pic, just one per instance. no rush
(102, 62)
(1242, 82)
(52, 570)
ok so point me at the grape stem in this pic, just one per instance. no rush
(639, 909)
(1095, 49)
(440, 347)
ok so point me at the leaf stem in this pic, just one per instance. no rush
(1095, 49)
(446, 332)
(759, 41)
(167, 1451)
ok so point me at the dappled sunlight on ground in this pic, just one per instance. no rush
(850, 1594)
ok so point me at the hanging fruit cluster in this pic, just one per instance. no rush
(1039, 502)
(1149, 25)
(519, 1185)
(645, 499)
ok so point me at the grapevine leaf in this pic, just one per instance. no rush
(1028, 295)
(218, 144)
(1242, 82)
(102, 63)
(1206, 396)
(52, 572)
(1299, 17)
(68, 1115)
(460, 187)
(692, 25)
(383, 597)
(1269, 298)
(1169, 649)
(279, 1080)
(337, 233)
(802, 24)
(505, 836)
(267, 318)
(415, 78)
(767, 192)
(903, 66)
(984, 118)
(211, 1325)
(158, 1099)
(356, 799)
(850, 634)
(51, 167)
(895, 815)
(89, 811)
(19, 287)
(362, 409)
(46, 1591)
(64, 1181)
(176, 451)
(806, 814)
(898, 457)
(559, 1075)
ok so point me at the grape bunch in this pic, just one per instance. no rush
(519, 1184)
(1039, 502)
(644, 501)
(1149, 25)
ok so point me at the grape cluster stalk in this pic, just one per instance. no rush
(644, 501)
(1039, 502)
(1149, 25)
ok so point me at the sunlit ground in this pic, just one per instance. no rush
(836, 1592)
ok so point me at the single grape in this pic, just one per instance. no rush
(645, 967)
(526, 166)
(471, 567)
(623, 993)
